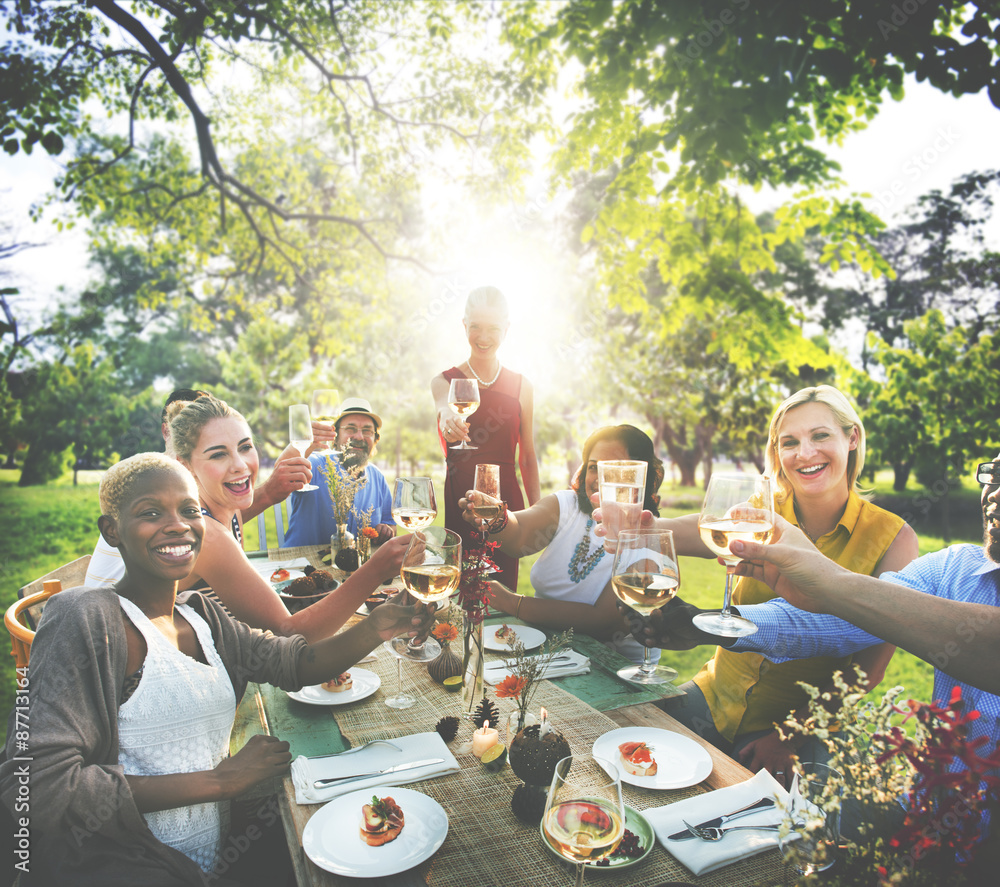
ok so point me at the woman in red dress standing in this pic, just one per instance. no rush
(501, 427)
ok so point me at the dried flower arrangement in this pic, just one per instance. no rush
(342, 485)
(526, 670)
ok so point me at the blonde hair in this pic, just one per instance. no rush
(188, 418)
(117, 483)
(487, 297)
(845, 416)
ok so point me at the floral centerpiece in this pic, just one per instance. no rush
(526, 670)
(937, 837)
(342, 484)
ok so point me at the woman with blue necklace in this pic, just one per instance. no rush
(572, 578)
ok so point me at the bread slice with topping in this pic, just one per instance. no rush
(381, 821)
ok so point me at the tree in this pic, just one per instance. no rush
(938, 405)
(388, 80)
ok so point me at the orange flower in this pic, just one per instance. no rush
(370, 532)
(445, 631)
(510, 687)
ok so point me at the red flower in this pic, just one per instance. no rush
(369, 532)
(445, 631)
(510, 687)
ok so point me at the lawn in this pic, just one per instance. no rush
(43, 527)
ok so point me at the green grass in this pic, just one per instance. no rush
(44, 527)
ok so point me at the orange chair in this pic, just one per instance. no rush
(22, 616)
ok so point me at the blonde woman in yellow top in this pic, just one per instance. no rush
(815, 453)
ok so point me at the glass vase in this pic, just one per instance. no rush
(514, 724)
(473, 666)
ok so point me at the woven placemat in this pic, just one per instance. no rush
(487, 845)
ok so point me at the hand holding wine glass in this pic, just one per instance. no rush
(645, 576)
(622, 489)
(736, 506)
(432, 569)
(413, 504)
(325, 406)
(487, 504)
(463, 398)
(300, 433)
(584, 817)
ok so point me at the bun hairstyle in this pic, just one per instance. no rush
(187, 419)
(845, 416)
(488, 297)
(118, 480)
(639, 447)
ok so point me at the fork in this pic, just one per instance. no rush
(337, 754)
(713, 833)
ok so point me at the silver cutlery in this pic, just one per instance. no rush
(322, 783)
(711, 833)
(686, 834)
(348, 751)
(502, 665)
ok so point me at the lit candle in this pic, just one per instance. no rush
(545, 726)
(483, 738)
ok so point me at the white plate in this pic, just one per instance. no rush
(365, 683)
(680, 761)
(530, 637)
(332, 838)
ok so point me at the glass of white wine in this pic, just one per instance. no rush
(736, 506)
(325, 405)
(300, 433)
(413, 504)
(463, 398)
(487, 482)
(584, 818)
(645, 576)
(432, 569)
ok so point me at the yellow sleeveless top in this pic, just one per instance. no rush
(745, 692)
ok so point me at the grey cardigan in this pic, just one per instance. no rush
(85, 827)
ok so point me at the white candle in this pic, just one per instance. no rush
(545, 726)
(483, 738)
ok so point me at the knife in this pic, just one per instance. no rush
(762, 804)
(320, 783)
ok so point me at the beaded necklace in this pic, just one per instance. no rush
(584, 561)
(482, 382)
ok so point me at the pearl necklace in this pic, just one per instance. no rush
(481, 381)
(583, 562)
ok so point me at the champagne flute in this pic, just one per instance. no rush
(736, 506)
(584, 816)
(622, 486)
(644, 577)
(325, 402)
(413, 504)
(463, 398)
(300, 433)
(399, 699)
(487, 482)
(432, 569)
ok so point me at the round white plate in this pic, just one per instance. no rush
(365, 683)
(332, 838)
(530, 637)
(680, 761)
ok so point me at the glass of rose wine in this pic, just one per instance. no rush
(736, 506)
(463, 398)
(432, 568)
(487, 482)
(413, 504)
(300, 434)
(325, 406)
(644, 577)
(584, 816)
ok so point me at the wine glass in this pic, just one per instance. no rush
(813, 814)
(463, 398)
(736, 506)
(644, 577)
(584, 816)
(300, 433)
(399, 699)
(413, 504)
(487, 482)
(325, 403)
(432, 568)
(622, 486)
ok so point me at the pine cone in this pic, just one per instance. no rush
(486, 711)
(447, 728)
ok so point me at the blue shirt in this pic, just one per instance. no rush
(310, 514)
(959, 573)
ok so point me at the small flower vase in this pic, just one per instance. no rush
(447, 665)
(364, 548)
(473, 666)
(514, 724)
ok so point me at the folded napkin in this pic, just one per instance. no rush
(414, 748)
(266, 568)
(576, 663)
(707, 856)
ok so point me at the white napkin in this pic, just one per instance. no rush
(414, 748)
(577, 663)
(707, 856)
(266, 568)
